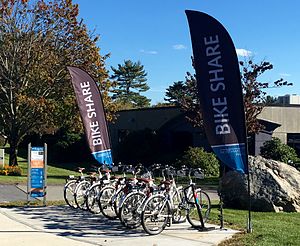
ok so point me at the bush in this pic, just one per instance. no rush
(196, 157)
(11, 171)
(276, 150)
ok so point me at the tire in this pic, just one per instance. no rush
(92, 199)
(81, 194)
(205, 205)
(118, 201)
(156, 214)
(105, 202)
(69, 190)
(130, 211)
(179, 213)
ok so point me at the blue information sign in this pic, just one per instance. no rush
(37, 172)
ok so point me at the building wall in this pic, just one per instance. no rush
(289, 99)
(173, 122)
(294, 99)
(140, 119)
(288, 117)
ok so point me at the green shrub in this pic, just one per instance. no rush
(276, 150)
(196, 157)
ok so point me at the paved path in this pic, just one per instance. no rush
(10, 193)
(55, 193)
(63, 226)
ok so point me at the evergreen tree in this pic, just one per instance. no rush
(175, 93)
(130, 81)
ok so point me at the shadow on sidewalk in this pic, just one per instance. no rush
(65, 221)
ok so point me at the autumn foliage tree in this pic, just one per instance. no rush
(255, 98)
(37, 40)
(184, 94)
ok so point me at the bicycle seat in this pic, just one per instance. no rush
(145, 180)
(116, 177)
(131, 179)
(166, 182)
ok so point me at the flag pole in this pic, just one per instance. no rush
(249, 221)
(221, 217)
(220, 92)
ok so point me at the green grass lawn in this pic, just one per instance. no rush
(55, 175)
(269, 229)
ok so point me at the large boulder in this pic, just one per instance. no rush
(274, 186)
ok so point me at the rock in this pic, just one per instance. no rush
(275, 186)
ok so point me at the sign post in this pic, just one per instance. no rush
(37, 172)
(2, 155)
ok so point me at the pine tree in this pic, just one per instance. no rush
(130, 81)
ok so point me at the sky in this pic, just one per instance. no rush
(156, 33)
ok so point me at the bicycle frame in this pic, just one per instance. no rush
(196, 201)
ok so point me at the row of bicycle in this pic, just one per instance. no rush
(138, 200)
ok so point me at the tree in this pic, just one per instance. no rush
(198, 158)
(254, 96)
(276, 150)
(175, 93)
(37, 40)
(270, 100)
(130, 82)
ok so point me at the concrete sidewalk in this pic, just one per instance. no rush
(61, 225)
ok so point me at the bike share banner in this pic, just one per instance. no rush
(219, 89)
(37, 174)
(92, 113)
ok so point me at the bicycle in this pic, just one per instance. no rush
(92, 194)
(157, 212)
(196, 202)
(159, 209)
(132, 205)
(70, 186)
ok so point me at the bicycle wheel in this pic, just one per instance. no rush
(179, 213)
(205, 206)
(80, 194)
(69, 190)
(105, 202)
(93, 194)
(130, 211)
(118, 201)
(156, 214)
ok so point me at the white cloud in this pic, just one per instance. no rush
(150, 52)
(179, 47)
(243, 52)
(285, 74)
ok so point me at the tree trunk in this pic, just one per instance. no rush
(13, 153)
